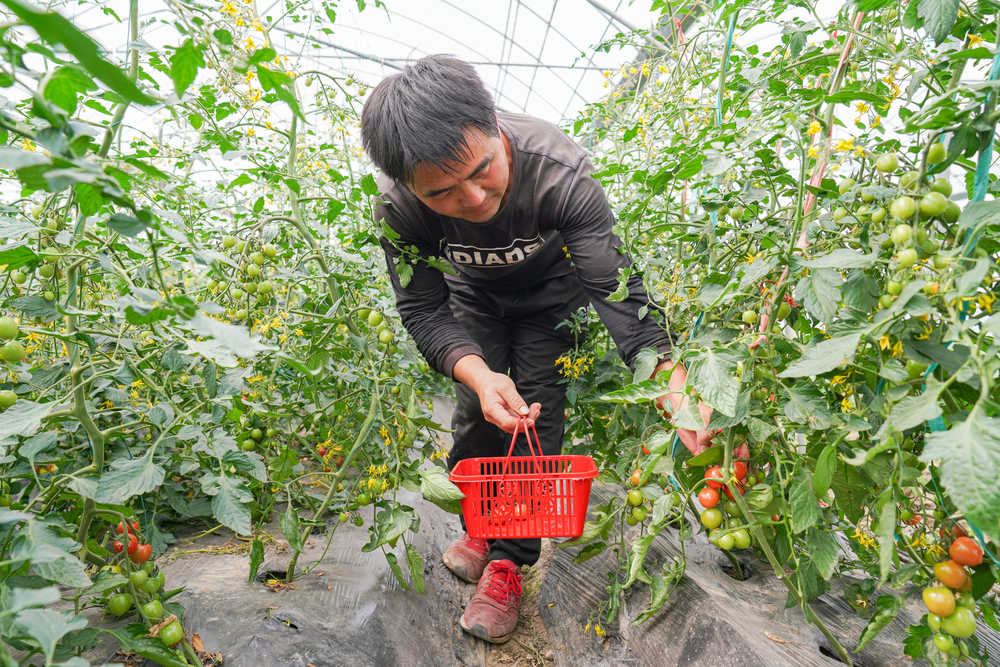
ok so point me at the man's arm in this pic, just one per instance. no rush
(498, 396)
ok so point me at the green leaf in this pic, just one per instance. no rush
(819, 291)
(229, 502)
(263, 55)
(637, 558)
(289, 523)
(804, 509)
(36, 306)
(229, 341)
(641, 392)
(396, 570)
(825, 466)
(256, 558)
(184, 64)
(126, 225)
(886, 608)
(914, 410)
(660, 587)
(823, 551)
(706, 458)
(974, 216)
(281, 84)
(968, 282)
(47, 627)
(15, 258)
(28, 598)
(63, 85)
(147, 647)
(969, 465)
(368, 185)
(438, 489)
(714, 378)
(54, 29)
(249, 462)
(886, 533)
(24, 418)
(388, 526)
(416, 564)
(823, 357)
(842, 258)
(129, 477)
(14, 159)
(807, 405)
(939, 16)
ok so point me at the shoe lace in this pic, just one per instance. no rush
(504, 580)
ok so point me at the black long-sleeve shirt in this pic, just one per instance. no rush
(553, 201)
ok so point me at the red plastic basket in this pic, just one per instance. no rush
(524, 496)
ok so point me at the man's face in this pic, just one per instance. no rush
(471, 189)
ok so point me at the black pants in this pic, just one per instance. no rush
(517, 332)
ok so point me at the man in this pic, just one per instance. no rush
(501, 197)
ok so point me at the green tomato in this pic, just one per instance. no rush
(237, 293)
(741, 538)
(839, 213)
(138, 578)
(256, 434)
(269, 251)
(909, 179)
(951, 213)
(943, 642)
(711, 518)
(240, 314)
(961, 623)
(248, 444)
(886, 300)
(942, 185)
(47, 270)
(49, 295)
(634, 497)
(906, 258)
(846, 185)
(7, 399)
(171, 633)
(228, 242)
(887, 162)
(877, 214)
(966, 600)
(153, 610)
(936, 153)
(252, 270)
(385, 336)
(374, 318)
(250, 287)
(902, 208)
(933, 622)
(783, 310)
(258, 258)
(749, 316)
(915, 369)
(265, 287)
(901, 235)
(894, 287)
(725, 541)
(639, 514)
(933, 204)
(8, 328)
(867, 195)
(119, 604)
(153, 584)
(19, 277)
(12, 351)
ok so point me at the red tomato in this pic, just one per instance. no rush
(714, 477)
(636, 478)
(729, 494)
(740, 470)
(135, 526)
(133, 544)
(939, 600)
(708, 497)
(965, 551)
(118, 546)
(950, 573)
(142, 554)
(120, 528)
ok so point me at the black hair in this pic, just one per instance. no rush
(420, 115)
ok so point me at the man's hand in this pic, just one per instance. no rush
(676, 400)
(498, 397)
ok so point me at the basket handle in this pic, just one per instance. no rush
(522, 423)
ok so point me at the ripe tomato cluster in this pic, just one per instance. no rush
(951, 606)
(726, 533)
(137, 551)
(142, 589)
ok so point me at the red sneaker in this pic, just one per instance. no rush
(492, 612)
(467, 557)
